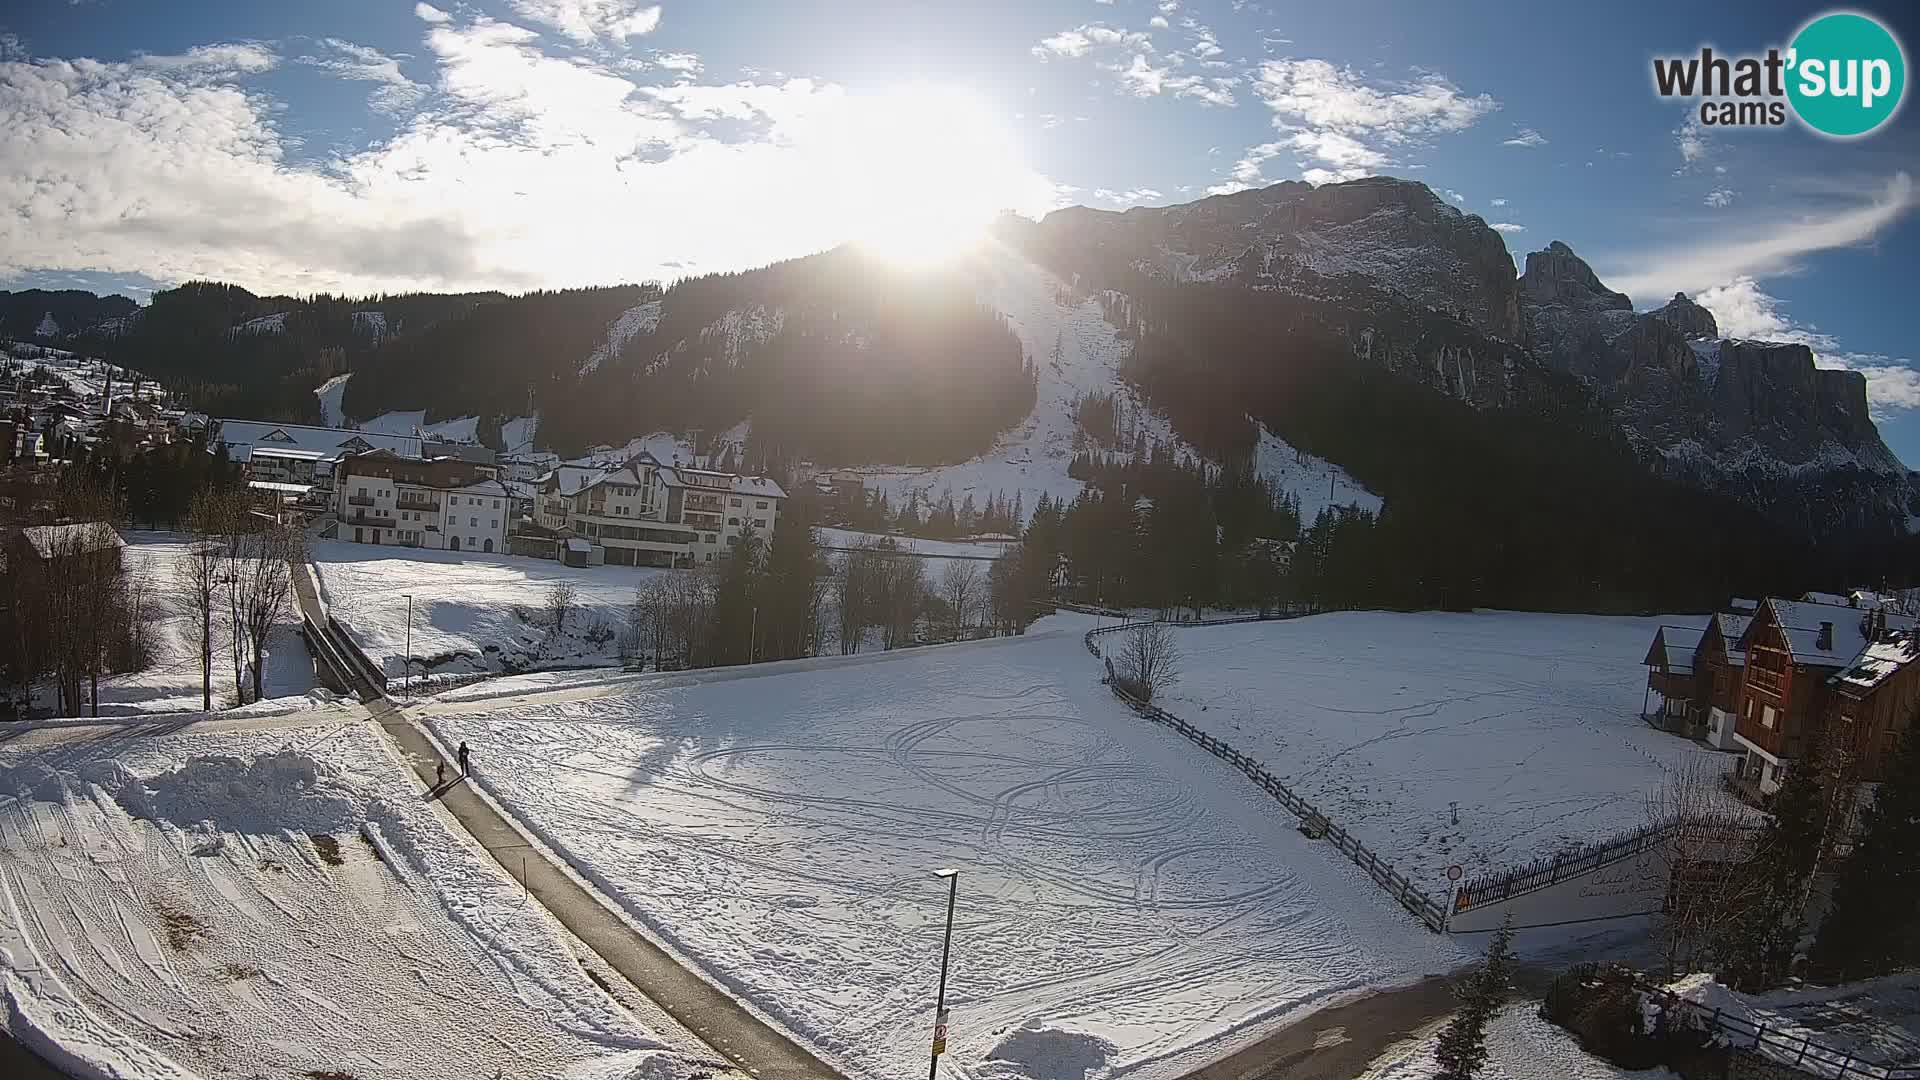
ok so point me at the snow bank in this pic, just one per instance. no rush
(1520, 1046)
(1043, 1052)
(207, 896)
(1875, 1021)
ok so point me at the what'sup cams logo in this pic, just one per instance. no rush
(1843, 75)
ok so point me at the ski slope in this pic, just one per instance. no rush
(1318, 483)
(277, 901)
(1126, 904)
(465, 429)
(329, 394)
(1527, 724)
(1032, 458)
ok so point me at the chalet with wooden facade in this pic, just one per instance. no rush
(1720, 666)
(1670, 678)
(1876, 698)
(1795, 649)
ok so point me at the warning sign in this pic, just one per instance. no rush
(940, 1034)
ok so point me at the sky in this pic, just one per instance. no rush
(362, 146)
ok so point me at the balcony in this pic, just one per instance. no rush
(361, 517)
(360, 500)
(430, 505)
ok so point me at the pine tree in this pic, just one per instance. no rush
(1874, 926)
(1756, 949)
(790, 587)
(1463, 1045)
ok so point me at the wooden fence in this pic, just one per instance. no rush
(1314, 822)
(1798, 1052)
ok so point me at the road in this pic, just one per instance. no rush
(717, 1019)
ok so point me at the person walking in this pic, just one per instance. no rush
(463, 759)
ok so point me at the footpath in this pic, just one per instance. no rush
(749, 1042)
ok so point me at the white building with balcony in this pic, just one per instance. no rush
(649, 514)
(380, 498)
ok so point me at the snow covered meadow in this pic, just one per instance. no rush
(1126, 905)
(466, 607)
(1525, 724)
(277, 898)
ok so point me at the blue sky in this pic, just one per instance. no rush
(363, 146)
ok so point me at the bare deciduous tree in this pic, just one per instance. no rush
(561, 598)
(1707, 834)
(201, 575)
(1149, 660)
(960, 588)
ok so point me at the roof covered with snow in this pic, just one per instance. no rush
(241, 436)
(1673, 648)
(1732, 628)
(49, 541)
(1879, 662)
(1805, 625)
(571, 479)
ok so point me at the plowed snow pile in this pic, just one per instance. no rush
(276, 903)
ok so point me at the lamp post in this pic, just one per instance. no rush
(406, 674)
(946, 951)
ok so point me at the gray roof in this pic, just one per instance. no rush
(241, 436)
(1800, 623)
(47, 541)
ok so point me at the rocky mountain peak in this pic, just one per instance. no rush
(1557, 276)
(1693, 321)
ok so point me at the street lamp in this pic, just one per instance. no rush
(406, 673)
(946, 950)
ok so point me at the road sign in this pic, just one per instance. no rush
(940, 1034)
(1455, 873)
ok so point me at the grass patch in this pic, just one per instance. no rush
(241, 972)
(329, 849)
(183, 930)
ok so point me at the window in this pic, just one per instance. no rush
(473, 523)
(761, 505)
(1767, 716)
(759, 523)
(363, 492)
(495, 525)
(733, 521)
(496, 504)
(472, 542)
(733, 502)
(711, 538)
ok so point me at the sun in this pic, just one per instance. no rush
(924, 170)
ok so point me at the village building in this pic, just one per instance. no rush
(1876, 697)
(645, 513)
(299, 454)
(1794, 651)
(380, 497)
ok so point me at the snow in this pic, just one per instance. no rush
(463, 430)
(330, 393)
(665, 446)
(275, 323)
(1032, 458)
(1319, 483)
(166, 912)
(1520, 1046)
(1125, 901)
(631, 323)
(1528, 722)
(739, 330)
(517, 434)
(371, 322)
(1876, 1021)
(464, 620)
(171, 683)
(1707, 352)
(49, 326)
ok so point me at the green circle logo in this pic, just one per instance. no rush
(1846, 74)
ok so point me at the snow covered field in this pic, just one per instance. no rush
(171, 683)
(1124, 900)
(464, 604)
(277, 901)
(465, 429)
(1528, 722)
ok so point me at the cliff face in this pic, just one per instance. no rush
(1394, 234)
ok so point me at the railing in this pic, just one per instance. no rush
(1553, 869)
(1316, 823)
(360, 500)
(361, 517)
(1799, 1052)
(417, 504)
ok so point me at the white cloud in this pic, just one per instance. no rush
(1127, 198)
(426, 12)
(395, 92)
(588, 21)
(1068, 43)
(520, 170)
(1333, 148)
(686, 62)
(1507, 227)
(1527, 137)
(1455, 196)
(1691, 140)
(1138, 68)
(1315, 94)
(1496, 202)
(1744, 310)
(1158, 22)
(232, 58)
(1720, 197)
(1760, 245)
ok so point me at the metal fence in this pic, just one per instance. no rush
(1553, 869)
(1316, 823)
(1799, 1052)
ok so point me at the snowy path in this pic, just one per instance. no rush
(1124, 903)
(277, 900)
(1525, 724)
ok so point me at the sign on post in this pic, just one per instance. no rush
(940, 1034)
